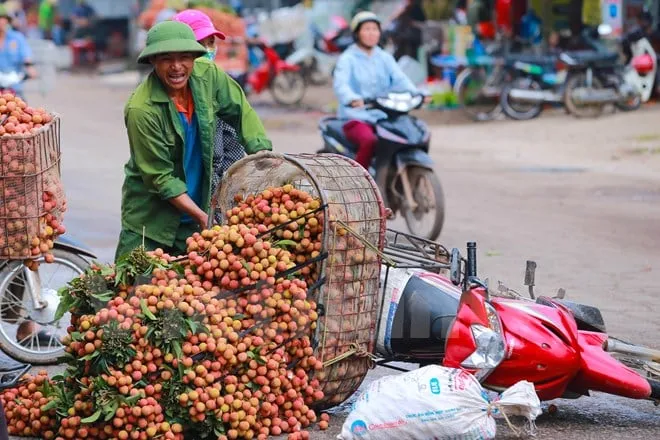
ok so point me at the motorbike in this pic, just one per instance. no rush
(317, 52)
(284, 80)
(27, 295)
(597, 79)
(436, 309)
(535, 82)
(401, 167)
(643, 62)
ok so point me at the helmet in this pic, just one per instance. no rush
(361, 18)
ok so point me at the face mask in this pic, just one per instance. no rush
(210, 53)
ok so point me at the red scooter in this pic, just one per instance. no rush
(558, 345)
(284, 80)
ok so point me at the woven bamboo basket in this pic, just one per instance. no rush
(354, 228)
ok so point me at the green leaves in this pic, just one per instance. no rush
(87, 293)
(145, 310)
(93, 418)
(285, 243)
(136, 264)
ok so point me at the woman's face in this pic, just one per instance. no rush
(209, 44)
(369, 34)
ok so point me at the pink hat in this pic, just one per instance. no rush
(199, 22)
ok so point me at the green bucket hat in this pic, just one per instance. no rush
(4, 12)
(170, 36)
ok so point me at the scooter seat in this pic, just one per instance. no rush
(590, 58)
(335, 128)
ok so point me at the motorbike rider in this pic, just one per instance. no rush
(171, 121)
(15, 55)
(366, 71)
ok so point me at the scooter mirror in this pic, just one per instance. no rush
(455, 267)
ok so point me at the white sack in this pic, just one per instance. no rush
(434, 403)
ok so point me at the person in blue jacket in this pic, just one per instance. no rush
(365, 71)
(15, 53)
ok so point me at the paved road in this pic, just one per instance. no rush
(579, 197)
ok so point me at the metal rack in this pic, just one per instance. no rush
(407, 251)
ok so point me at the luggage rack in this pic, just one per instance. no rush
(408, 251)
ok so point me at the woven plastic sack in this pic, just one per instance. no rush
(436, 403)
(31, 191)
(354, 229)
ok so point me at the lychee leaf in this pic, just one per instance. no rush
(50, 405)
(283, 243)
(111, 411)
(90, 356)
(177, 349)
(93, 418)
(145, 310)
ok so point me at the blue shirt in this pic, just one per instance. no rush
(362, 76)
(192, 162)
(14, 54)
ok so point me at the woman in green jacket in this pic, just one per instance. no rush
(171, 122)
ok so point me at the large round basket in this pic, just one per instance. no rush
(347, 291)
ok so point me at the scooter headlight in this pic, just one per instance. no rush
(491, 348)
(387, 103)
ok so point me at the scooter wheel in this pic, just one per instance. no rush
(288, 88)
(13, 288)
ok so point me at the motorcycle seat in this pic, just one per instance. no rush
(590, 58)
(335, 128)
(540, 60)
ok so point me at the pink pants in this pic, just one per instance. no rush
(362, 134)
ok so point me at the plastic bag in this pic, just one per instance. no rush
(434, 403)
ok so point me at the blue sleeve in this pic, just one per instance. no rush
(24, 49)
(399, 80)
(342, 81)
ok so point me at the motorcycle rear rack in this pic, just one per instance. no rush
(408, 251)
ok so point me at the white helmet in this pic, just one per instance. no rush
(361, 18)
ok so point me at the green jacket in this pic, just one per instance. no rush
(154, 171)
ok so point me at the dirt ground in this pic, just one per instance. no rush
(581, 197)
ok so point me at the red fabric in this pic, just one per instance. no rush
(361, 134)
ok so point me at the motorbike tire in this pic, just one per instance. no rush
(518, 111)
(8, 342)
(314, 76)
(591, 111)
(288, 88)
(414, 175)
(630, 105)
(490, 109)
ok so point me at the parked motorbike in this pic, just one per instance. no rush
(535, 82)
(562, 347)
(26, 295)
(317, 53)
(642, 61)
(598, 79)
(284, 80)
(402, 167)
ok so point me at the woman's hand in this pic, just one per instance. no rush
(357, 103)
